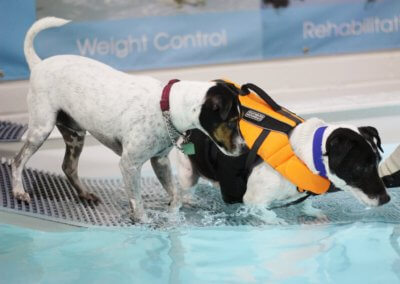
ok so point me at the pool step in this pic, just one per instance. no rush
(54, 199)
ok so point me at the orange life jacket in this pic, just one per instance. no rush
(266, 125)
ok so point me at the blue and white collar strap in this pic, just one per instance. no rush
(317, 151)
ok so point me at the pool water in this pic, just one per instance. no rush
(210, 242)
(350, 253)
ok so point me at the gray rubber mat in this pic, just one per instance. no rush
(11, 132)
(54, 199)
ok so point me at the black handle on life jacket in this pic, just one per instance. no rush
(274, 105)
(262, 94)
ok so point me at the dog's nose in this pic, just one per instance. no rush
(383, 199)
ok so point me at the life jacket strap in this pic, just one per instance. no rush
(262, 94)
(297, 201)
(252, 156)
(273, 104)
(331, 189)
(291, 115)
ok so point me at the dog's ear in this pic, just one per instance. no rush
(222, 104)
(338, 146)
(226, 97)
(371, 134)
(232, 88)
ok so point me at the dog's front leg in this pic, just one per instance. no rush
(316, 213)
(131, 172)
(162, 168)
(188, 176)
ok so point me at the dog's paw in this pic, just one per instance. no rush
(188, 198)
(90, 197)
(277, 221)
(138, 215)
(144, 219)
(313, 220)
(268, 216)
(21, 195)
(174, 205)
(314, 215)
(319, 217)
(323, 219)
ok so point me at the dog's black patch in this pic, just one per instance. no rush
(220, 114)
(355, 161)
(371, 134)
(230, 172)
(67, 121)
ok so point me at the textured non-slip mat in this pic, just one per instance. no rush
(54, 199)
(11, 132)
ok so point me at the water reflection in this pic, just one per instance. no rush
(395, 243)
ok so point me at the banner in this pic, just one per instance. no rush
(159, 42)
(331, 27)
(148, 34)
(15, 19)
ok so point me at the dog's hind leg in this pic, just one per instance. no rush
(162, 168)
(74, 141)
(41, 123)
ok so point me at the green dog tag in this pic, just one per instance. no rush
(188, 149)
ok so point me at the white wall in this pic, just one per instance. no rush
(326, 86)
(363, 89)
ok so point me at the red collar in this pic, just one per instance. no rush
(164, 102)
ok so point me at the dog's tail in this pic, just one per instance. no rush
(49, 22)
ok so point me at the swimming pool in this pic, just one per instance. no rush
(349, 253)
(210, 242)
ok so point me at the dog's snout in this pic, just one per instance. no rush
(383, 199)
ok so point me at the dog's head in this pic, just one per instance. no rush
(353, 159)
(219, 117)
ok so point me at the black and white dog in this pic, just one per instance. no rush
(349, 154)
(122, 111)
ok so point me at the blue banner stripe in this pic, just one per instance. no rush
(304, 28)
